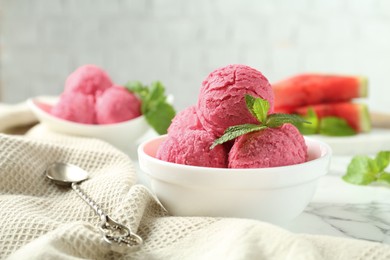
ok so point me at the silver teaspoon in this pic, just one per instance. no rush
(120, 238)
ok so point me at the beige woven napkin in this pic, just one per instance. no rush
(42, 221)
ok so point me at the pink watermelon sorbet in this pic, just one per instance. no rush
(269, 148)
(90, 97)
(116, 104)
(185, 120)
(89, 80)
(189, 143)
(192, 147)
(221, 102)
(76, 107)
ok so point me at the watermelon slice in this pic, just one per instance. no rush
(308, 89)
(356, 114)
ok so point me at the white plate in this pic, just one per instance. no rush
(367, 143)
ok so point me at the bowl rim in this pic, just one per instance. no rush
(41, 113)
(326, 152)
(196, 177)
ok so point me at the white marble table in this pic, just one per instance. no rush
(346, 210)
(341, 209)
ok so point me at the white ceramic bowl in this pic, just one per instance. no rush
(122, 135)
(275, 195)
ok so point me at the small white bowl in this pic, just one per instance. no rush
(276, 195)
(122, 135)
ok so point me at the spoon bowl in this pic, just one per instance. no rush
(65, 174)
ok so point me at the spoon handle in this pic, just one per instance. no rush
(88, 200)
(120, 238)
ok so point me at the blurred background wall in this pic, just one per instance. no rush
(180, 41)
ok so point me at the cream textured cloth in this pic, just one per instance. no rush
(40, 220)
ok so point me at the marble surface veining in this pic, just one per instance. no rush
(345, 210)
(366, 221)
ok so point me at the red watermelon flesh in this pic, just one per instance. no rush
(308, 89)
(356, 114)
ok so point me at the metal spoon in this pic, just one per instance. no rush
(118, 236)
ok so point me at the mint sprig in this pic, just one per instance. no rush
(259, 108)
(276, 120)
(363, 170)
(157, 111)
(236, 131)
(335, 126)
(329, 125)
(309, 129)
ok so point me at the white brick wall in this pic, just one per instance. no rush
(180, 41)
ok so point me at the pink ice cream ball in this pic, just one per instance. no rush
(269, 148)
(186, 119)
(75, 107)
(192, 147)
(221, 102)
(88, 79)
(115, 105)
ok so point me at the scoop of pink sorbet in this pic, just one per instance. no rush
(269, 148)
(192, 147)
(116, 104)
(88, 79)
(186, 119)
(76, 107)
(221, 102)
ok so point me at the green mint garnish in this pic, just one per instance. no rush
(276, 120)
(157, 111)
(309, 129)
(363, 170)
(335, 126)
(235, 131)
(259, 108)
(330, 125)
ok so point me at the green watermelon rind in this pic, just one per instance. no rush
(365, 119)
(363, 86)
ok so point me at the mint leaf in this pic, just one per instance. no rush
(335, 126)
(276, 120)
(261, 107)
(384, 178)
(312, 128)
(258, 107)
(250, 101)
(141, 91)
(160, 117)
(362, 170)
(157, 93)
(236, 131)
(157, 111)
(138, 88)
(382, 160)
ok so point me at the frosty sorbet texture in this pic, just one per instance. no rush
(269, 148)
(222, 104)
(90, 97)
(185, 120)
(89, 80)
(76, 107)
(193, 148)
(221, 100)
(116, 104)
